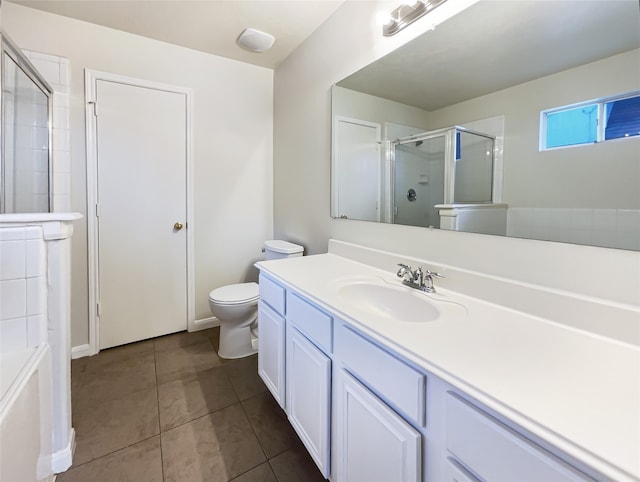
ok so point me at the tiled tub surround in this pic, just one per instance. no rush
(35, 275)
(562, 367)
(23, 288)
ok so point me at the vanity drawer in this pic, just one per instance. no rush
(273, 294)
(455, 473)
(494, 451)
(314, 323)
(392, 379)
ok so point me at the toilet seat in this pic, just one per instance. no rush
(236, 294)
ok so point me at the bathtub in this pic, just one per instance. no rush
(36, 438)
(25, 415)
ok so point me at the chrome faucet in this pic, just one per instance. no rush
(419, 279)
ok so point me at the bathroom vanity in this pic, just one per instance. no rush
(386, 383)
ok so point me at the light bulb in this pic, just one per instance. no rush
(384, 18)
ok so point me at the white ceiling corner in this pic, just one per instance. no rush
(210, 26)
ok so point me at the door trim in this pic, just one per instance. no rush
(335, 181)
(90, 83)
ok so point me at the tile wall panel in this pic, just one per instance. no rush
(55, 70)
(23, 288)
(608, 228)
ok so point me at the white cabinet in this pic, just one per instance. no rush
(364, 413)
(497, 453)
(400, 385)
(378, 395)
(374, 443)
(271, 351)
(455, 473)
(294, 362)
(309, 344)
(309, 396)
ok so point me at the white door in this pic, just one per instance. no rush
(375, 443)
(141, 138)
(309, 396)
(358, 170)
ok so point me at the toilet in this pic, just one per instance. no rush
(236, 307)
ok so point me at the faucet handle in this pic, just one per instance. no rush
(434, 274)
(404, 269)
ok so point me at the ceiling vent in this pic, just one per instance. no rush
(255, 40)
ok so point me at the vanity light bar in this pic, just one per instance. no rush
(405, 15)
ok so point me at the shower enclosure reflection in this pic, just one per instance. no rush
(444, 167)
(414, 177)
(25, 162)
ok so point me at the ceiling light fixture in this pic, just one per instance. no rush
(255, 40)
(406, 14)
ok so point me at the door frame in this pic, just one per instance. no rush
(335, 178)
(91, 77)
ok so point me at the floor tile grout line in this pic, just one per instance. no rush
(255, 434)
(112, 452)
(227, 372)
(237, 402)
(275, 474)
(250, 469)
(155, 368)
(199, 417)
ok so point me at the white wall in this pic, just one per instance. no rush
(562, 178)
(233, 135)
(343, 44)
(367, 107)
(346, 42)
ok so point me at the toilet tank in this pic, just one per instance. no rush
(277, 249)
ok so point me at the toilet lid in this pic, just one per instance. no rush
(235, 294)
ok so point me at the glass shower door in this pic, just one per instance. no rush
(25, 168)
(419, 170)
(473, 168)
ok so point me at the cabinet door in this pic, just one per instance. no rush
(375, 443)
(309, 395)
(271, 355)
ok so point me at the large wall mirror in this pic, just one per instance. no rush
(448, 131)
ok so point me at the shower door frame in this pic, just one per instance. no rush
(449, 159)
(9, 47)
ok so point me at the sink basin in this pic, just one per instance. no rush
(398, 303)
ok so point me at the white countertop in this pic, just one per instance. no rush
(578, 391)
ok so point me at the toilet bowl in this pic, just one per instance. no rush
(236, 307)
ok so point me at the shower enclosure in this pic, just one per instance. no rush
(25, 135)
(450, 166)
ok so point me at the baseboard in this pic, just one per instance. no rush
(204, 323)
(62, 459)
(80, 351)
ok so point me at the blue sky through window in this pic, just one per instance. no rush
(579, 124)
(573, 126)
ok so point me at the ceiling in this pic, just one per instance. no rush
(504, 44)
(210, 26)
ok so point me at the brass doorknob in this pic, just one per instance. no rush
(177, 226)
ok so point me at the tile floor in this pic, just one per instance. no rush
(169, 409)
